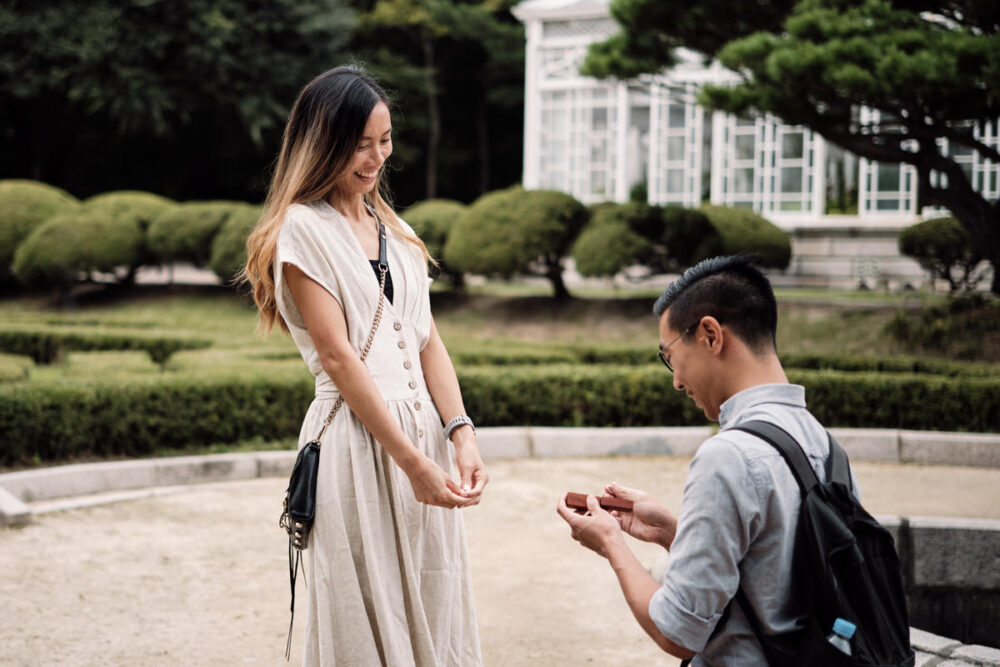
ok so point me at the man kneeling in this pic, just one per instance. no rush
(741, 502)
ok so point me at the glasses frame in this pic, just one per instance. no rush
(662, 352)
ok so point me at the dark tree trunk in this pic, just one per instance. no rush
(483, 139)
(554, 274)
(433, 113)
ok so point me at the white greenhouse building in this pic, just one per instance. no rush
(597, 140)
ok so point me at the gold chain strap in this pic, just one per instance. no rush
(368, 346)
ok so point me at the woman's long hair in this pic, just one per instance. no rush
(324, 127)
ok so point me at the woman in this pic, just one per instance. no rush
(387, 565)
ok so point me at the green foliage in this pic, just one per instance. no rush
(742, 230)
(55, 423)
(23, 206)
(504, 232)
(14, 368)
(185, 232)
(67, 246)
(944, 248)
(229, 248)
(433, 220)
(966, 327)
(616, 237)
(129, 210)
(929, 68)
(689, 237)
(48, 346)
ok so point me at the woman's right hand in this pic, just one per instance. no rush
(433, 486)
(648, 521)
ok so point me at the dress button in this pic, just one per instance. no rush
(420, 433)
(416, 405)
(413, 385)
(397, 326)
(402, 344)
(407, 364)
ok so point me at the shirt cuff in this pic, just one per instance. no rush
(678, 624)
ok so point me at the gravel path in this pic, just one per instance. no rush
(163, 581)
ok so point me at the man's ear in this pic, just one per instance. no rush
(713, 334)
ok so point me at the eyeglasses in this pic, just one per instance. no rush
(663, 350)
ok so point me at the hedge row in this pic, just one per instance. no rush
(46, 347)
(14, 368)
(473, 353)
(58, 423)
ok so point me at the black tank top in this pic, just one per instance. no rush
(388, 279)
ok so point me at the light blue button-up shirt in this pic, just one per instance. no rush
(737, 526)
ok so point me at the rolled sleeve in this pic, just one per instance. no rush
(719, 518)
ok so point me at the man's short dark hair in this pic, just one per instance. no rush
(732, 290)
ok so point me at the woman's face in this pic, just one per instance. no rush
(370, 154)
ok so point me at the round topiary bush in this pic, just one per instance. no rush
(689, 237)
(432, 220)
(743, 231)
(23, 206)
(617, 236)
(131, 210)
(63, 248)
(185, 233)
(229, 247)
(516, 230)
(943, 247)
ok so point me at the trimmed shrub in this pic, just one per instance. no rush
(52, 423)
(128, 211)
(508, 231)
(229, 248)
(59, 251)
(742, 230)
(23, 206)
(616, 237)
(46, 347)
(689, 237)
(943, 247)
(185, 233)
(433, 220)
(966, 327)
(14, 368)
(62, 423)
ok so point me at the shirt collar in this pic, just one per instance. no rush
(788, 394)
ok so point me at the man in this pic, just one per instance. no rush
(741, 502)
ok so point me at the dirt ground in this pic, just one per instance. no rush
(165, 581)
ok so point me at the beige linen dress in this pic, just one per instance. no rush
(387, 576)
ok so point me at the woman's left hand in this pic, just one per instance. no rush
(471, 471)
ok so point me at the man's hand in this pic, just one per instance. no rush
(648, 521)
(597, 530)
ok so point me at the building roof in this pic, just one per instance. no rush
(560, 9)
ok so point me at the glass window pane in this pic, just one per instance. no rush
(791, 206)
(675, 115)
(743, 180)
(887, 205)
(597, 182)
(888, 177)
(744, 145)
(675, 180)
(675, 148)
(791, 179)
(599, 119)
(791, 145)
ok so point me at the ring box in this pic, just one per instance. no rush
(578, 501)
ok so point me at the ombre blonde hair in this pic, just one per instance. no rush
(324, 128)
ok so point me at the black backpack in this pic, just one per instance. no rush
(845, 564)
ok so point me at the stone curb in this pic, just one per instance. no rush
(936, 651)
(18, 490)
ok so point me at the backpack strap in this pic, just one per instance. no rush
(838, 469)
(789, 449)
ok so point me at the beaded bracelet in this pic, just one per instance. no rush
(460, 420)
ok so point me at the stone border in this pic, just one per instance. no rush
(92, 483)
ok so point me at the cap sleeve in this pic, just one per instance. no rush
(302, 243)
